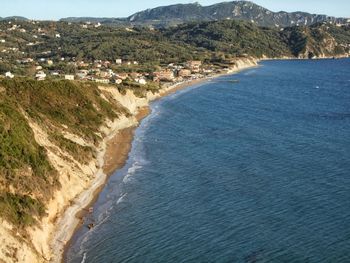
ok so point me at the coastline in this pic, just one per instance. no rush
(113, 154)
(116, 155)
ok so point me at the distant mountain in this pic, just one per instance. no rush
(102, 20)
(18, 18)
(242, 10)
(236, 10)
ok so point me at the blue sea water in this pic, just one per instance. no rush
(254, 171)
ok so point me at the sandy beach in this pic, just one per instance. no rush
(118, 147)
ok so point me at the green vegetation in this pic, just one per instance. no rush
(206, 41)
(138, 89)
(57, 106)
(231, 37)
(80, 108)
(21, 157)
(107, 43)
(21, 210)
(75, 105)
(24, 167)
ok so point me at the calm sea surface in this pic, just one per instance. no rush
(254, 171)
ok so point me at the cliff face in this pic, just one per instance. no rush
(34, 242)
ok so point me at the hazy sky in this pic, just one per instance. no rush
(55, 9)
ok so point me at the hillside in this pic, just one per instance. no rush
(235, 10)
(229, 37)
(317, 41)
(31, 44)
(59, 107)
(243, 38)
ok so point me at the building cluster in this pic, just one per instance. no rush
(104, 71)
(174, 73)
(100, 71)
(45, 64)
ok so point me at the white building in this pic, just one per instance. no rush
(40, 75)
(69, 77)
(82, 73)
(9, 75)
(141, 81)
(105, 81)
(118, 81)
(118, 61)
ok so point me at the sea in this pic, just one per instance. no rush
(251, 167)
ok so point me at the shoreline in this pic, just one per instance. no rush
(116, 155)
(113, 154)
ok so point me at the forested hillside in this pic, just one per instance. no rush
(206, 41)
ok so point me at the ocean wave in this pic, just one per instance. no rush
(121, 199)
(84, 258)
(131, 171)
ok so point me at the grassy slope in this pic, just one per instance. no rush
(27, 179)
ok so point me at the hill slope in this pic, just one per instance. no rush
(151, 48)
(51, 146)
(239, 38)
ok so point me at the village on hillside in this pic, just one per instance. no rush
(18, 44)
(44, 50)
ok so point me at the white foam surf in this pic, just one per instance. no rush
(131, 171)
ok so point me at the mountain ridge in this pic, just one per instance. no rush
(17, 18)
(236, 10)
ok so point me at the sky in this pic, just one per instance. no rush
(56, 9)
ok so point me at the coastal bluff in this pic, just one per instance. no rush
(78, 178)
